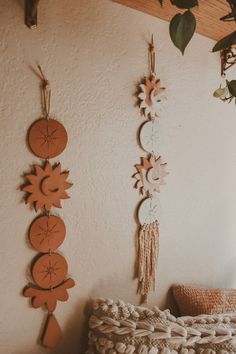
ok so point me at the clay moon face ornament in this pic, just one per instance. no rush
(149, 136)
(47, 187)
(149, 211)
(150, 97)
(47, 138)
(151, 175)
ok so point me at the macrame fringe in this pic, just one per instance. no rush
(148, 250)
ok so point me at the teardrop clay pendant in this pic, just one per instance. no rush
(52, 333)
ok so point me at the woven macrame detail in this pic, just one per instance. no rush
(116, 327)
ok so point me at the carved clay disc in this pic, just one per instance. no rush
(49, 270)
(149, 211)
(149, 136)
(47, 233)
(47, 138)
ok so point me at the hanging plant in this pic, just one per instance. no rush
(183, 25)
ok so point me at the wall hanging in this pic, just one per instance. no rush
(151, 173)
(46, 186)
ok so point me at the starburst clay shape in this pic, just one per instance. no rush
(150, 96)
(47, 187)
(151, 175)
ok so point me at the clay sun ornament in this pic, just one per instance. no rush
(47, 138)
(150, 97)
(151, 175)
(47, 187)
(47, 233)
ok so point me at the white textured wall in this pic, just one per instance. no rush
(94, 52)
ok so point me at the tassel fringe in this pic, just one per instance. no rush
(148, 250)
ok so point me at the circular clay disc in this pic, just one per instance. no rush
(149, 211)
(47, 138)
(149, 136)
(47, 233)
(49, 270)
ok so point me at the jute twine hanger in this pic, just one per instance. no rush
(152, 57)
(45, 94)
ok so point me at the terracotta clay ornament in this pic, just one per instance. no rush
(52, 333)
(47, 138)
(150, 176)
(151, 93)
(150, 97)
(49, 298)
(47, 233)
(49, 270)
(45, 188)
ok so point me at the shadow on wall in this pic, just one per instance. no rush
(21, 4)
(75, 333)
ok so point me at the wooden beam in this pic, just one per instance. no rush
(31, 7)
(208, 14)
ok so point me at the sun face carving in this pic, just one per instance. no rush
(151, 175)
(150, 97)
(47, 187)
(47, 138)
(49, 270)
(47, 233)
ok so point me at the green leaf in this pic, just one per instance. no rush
(225, 42)
(182, 28)
(221, 92)
(184, 4)
(232, 87)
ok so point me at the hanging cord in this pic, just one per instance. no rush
(46, 94)
(152, 57)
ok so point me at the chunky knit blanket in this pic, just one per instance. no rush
(116, 327)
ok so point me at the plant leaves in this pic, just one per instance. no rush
(225, 42)
(184, 4)
(232, 87)
(232, 2)
(221, 92)
(182, 28)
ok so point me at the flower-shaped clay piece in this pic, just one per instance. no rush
(50, 297)
(151, 175)
(150, 97)
(47, 187)
(47, 233)
(47, 138)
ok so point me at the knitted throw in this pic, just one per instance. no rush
(116, 327)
